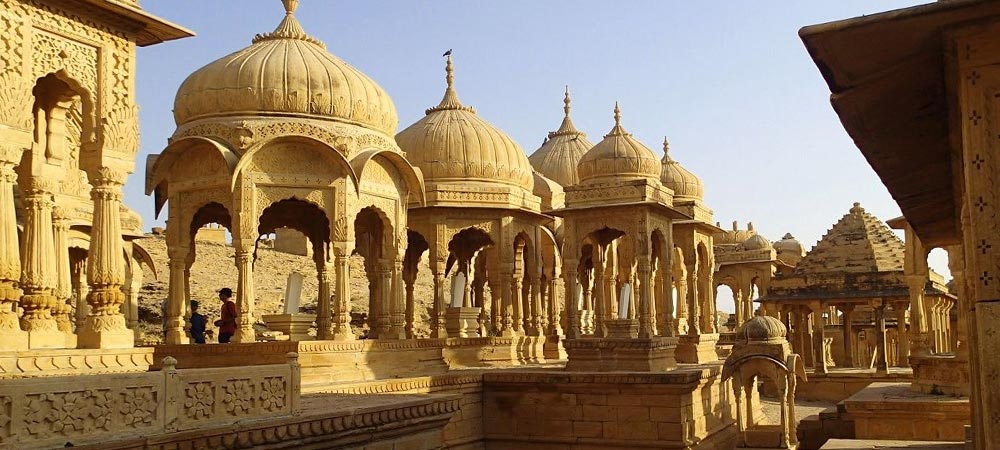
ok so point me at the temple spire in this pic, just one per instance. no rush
(666, 151)
(450, 99)
(566, 102)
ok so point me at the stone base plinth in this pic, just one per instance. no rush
(120, 338)
(62, 362)
(13, 340)
(940, 375)
(296, 326)
(697, 349)
(43, 339)
(893, 411)
(614, 355)
(554, 349)
(322, 362)
(622, 328)
(623, 411)
(462, 322)
(493, 351)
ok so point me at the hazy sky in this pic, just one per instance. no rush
(728, 82)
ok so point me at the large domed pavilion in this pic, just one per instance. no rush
(482, 224)
(285, 134)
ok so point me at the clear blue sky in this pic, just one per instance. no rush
(728, 82)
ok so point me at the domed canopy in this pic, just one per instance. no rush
(558, 157)
(762, 329)
(452, 143)
(756, 242)
(685, 184)
(285, 72)
(618, 156)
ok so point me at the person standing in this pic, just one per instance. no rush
(227, 324)
(198, 323)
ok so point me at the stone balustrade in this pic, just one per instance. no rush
(54, 411)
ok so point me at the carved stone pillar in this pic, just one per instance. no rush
(694, 302)
(176, 296)
(645, 280)
(573, 326)
(245, 294)
(902, 338)
(80, 290)
(186, 304)
(599, 291)
(506, 299)
(64, 284)
(537, 321)
(105, 326)
(819, 349)
(881, 364)
(681, 298)
(517, 300)
(409, 278)
(557, 296)
(38, 277)
(919, 342)
(341, 310)
(392, 281)
(324, 330)
(848, 311)
(11, 335)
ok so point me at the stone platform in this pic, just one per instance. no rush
(869, 444)
(894, 411)
(620, 354)
(838, 384)
(940, 375)
(322, 362)
(493, 351)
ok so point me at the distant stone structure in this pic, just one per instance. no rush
(211, 233)
(288, 240)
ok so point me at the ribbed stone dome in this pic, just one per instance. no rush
(619, 156)
(452, 143)
(756, 242)
(762, 329)
(287, 73)
(685, 184)
(563, 149)
(788, 244)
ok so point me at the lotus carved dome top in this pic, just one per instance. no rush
(762, 329)
(618, 157)
(562, 150)
(453, 143)
(285, 73)
(685, 184)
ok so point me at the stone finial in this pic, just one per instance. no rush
(450, 99)
(566, 101)
(289, 28)
(618, 130)
(169, 363)
(618, 115)
(788, 236)
(290, 6)
(736, 226)
(750, 226)
(857, 208)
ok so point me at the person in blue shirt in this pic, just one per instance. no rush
(198, 323)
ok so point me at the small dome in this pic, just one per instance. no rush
(757, 242)
(562, 150)
(762, 329)
(685, 184)
(285, 72)
(788, 244)
(618, 156)
(452, 143)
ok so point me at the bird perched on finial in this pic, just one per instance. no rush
(447, 53)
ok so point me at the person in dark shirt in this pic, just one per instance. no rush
(198, 323)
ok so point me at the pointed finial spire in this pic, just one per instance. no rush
(289, 28)
(666, 151)
(566, 101)
(618, 115)
(617, 130)
(750, 226)
(567, 127)
(450, 99)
